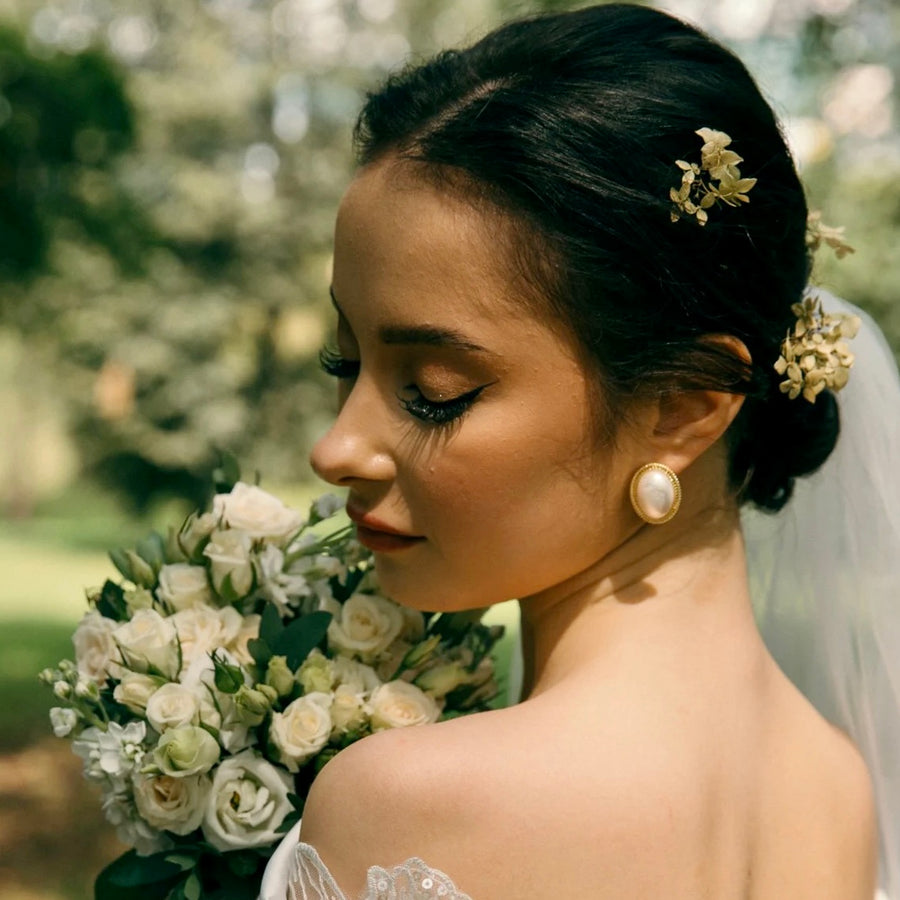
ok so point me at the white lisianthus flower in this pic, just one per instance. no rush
(203, 629)
(96, 652)
(135, 689)
(138, 598)
(247, 803)
(249, 630)
(399, 704)
(182, 586)
(358, 676)
(147, 642)
(367, 626)
(63, 719)
(391, 659)
(327, 505)
(171, 706)
(349, 710)
(186, 750)
(230, 562)
(172, 804)
(251, 509)
(302, 730)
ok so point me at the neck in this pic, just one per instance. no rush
(661, 591)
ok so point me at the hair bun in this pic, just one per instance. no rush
(782, 440)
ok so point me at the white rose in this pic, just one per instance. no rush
(302, 730)
(182, 586)
(355, 675)
(173, 705)
(172, 804)
(196, 530)
(96, 652)
(413, 624)
(134, 690)
(316, 673)
(247, 803)
(202, 629)
(63, 720)
(186, 750)
(217, 709)
(149, 641)
(248, 631)
(349, 710)
(231, 563)
(367, 626)
(253, 510)
(399, 704)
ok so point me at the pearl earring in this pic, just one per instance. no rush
(655, 493)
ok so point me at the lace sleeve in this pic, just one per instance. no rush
(413, 880)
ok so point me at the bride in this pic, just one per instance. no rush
(563, 278)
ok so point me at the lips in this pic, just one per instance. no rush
(378, 536)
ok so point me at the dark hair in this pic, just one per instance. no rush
(572, 124)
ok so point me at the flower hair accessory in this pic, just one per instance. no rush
(716, 178)
(818, 233)
(814, 355)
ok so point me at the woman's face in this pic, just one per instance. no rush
(465, 420)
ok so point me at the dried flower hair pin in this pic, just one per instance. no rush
(814, 355)
(716, 178)
(818, 233)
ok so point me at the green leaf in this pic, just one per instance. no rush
(120, 560)
(152, 549)
(304, 633)
(112, 602)
(346, 590)
(260, 651)
(242, 864)
(192, 889)
(184, 861)
(149, 877)
(270, 625)
(227, 474)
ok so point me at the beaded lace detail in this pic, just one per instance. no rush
(413, 880)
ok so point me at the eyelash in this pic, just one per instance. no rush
(433, 412)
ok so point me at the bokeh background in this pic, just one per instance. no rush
(169, 171)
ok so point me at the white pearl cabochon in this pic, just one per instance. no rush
(655, 493)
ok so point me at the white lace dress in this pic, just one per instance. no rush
(296, 872)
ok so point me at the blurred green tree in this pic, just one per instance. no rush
(180, 253)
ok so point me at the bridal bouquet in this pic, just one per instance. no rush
(236, 658)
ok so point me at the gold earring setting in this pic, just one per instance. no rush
(655, 493)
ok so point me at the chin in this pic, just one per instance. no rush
(410, 587)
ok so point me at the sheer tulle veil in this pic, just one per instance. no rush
(825, 576)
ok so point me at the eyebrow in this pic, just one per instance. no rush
(427, 335)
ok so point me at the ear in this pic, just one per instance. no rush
(685, 424)
(689, 423)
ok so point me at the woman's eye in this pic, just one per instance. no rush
(439, 412)
(332, 363)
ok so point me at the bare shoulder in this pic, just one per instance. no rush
(395, 795)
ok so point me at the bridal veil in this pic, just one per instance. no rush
(825, 577)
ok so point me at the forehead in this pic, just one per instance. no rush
(400, 239)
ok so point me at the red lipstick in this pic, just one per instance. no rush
(378, 536)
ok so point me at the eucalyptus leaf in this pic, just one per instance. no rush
(270, 625)
(297, 640)
(260, 651)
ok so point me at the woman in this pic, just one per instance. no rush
(552, 270)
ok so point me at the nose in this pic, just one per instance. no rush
(356, 448)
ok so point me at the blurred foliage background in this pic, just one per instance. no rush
(169, 172)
